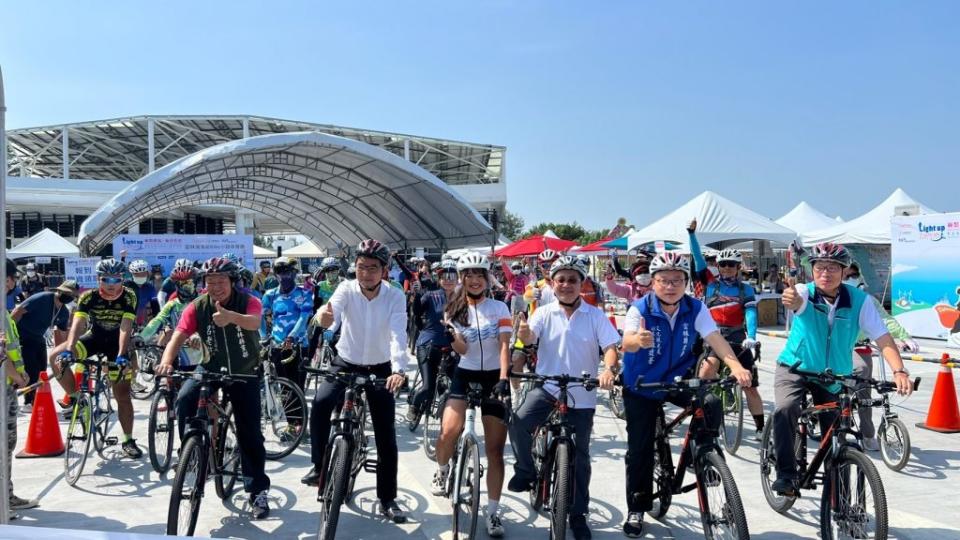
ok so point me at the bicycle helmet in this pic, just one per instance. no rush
(138, 266)
(828, 251)
(111, 267)
(516, 266)
(329, 263)
(352, 271)
(183, 273)
(568, 262)
(730, 255)
(285, 264)
(473, 261)
(670, 260)
(232, 257)
(246, 276)
(448, 265)
(374, 249)
(547, 255)
(219, 265)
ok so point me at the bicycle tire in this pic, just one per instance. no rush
(894, 443)
(538, 493)
(290, 422)
(837, 482)
(146, 356)
(731, 431)
(79, 432)
(160, 428)
(729, 514)
(226, 457)
(560, 498)
(465, 497)
(193, 459)
(431, 427)
(768, 470)
(662, 471)
(415, 388)
(334, 488)
(615, 398)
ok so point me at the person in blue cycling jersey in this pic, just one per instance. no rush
(288, 308)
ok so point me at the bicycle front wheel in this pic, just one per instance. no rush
(894, 443)
(226, 458)
(731, 399)
(187, 489)
(560, 498)
(538, 493)
(721, 509)
(853, 503)
(79, 433)
(333, 488)
(160, 428)
(283, 415)
(466, 491)
(662, 472)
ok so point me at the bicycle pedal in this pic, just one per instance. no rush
(481, 470)
(110, 441)
(370, 465)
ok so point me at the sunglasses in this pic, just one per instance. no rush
(727, 264)
(111, 280)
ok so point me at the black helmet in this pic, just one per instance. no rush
(285, 264)
(111, 267)
(219, 265)
(374, 249)
(11, 269)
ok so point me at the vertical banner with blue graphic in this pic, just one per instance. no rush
(925, 263)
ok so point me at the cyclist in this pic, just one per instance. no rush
(482, 328)
(102, 324)
(639, 276)
(228, 322)
(733, 305)
(373, 320)
(665, 324)
(289, 308)
(828, 315)
(428, 310)
(264, 280)
(139, 283)
(517, 279)
(590, 290)
(327, 279)
(539, 291)
(182, 276)
(569, 333)
(169, 285)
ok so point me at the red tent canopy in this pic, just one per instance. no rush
(533, 246)
(596, 247)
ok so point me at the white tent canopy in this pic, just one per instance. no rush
(805, 218)
(306, 249)
(45, 243)
(262, 252)
(718, 220)
(870, 228)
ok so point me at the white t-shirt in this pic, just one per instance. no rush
(871, 321)
(487, 319)
(703, 324)
(571, 345)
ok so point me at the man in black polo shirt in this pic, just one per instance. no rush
(34, 317)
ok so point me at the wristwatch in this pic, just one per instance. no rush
(902, 370)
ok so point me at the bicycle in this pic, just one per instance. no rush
(529, 353)
(553, 452)
(91, 417)
(721, 508)
(283, 417)
(207, 436)
(346, 451)
(848, 473)
(161, 425)
(731, 402)
(433, 415)
(322, 359)
(147, 357)
(892, 433)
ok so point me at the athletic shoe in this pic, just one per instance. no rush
(131, 449)
(259, 505)
(633, 526)
(494, 525)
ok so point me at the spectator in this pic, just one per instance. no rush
(772, 279)
(13, 291)
(32, 282)
(264, 280)
(34, 317)
(15, 377)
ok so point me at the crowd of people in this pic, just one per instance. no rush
(216, 314)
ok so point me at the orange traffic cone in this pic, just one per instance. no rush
(43, 436)
(944, 414)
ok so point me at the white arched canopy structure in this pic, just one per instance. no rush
(333, 190)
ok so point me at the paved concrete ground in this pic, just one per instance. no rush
(123, 495)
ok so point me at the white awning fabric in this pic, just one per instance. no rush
(805, 218)
(870, 228)
(45, 243)
(306, 249)
(262, 252)
(335, 191)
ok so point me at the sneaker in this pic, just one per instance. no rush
(518, 484)
(312, 478)
(439, 485)
(17, 503)
(871, 444)
(137, 386)
(412, 416)
(633, 526)
(393, 511)
(259, 505)
(579, 528)
(758, 435)
(785, 487)
(494, 525)
(65, 402)
(131, 449)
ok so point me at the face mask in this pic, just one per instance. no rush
(140, 280)
(643, 279)
(852, 281)
(65, 298)
(287, 281)
(31, 273)
(332, 275)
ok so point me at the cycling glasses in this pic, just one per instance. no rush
(727, 264)
(111, 280)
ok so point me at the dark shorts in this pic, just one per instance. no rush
(106, 344)
(487, 379)
(746, 360)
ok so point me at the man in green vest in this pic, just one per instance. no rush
(828, 317)
(228, 323)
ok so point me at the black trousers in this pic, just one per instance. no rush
(245, 397)
(428, 361)
(382, 407)
(641, 422)
(34, 350)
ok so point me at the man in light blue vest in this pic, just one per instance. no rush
(828, 317)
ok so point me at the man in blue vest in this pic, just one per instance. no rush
(827, 318)
(664, 323)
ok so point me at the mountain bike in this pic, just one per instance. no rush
(92, 416)
(732, 401)
(146, 357)
(433, 414)
(283, 407)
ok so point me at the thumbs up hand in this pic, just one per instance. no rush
(645, 336)
(325, 316)
(222, 316)
(791, 298)
(523, 330)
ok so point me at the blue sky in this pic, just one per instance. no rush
(607, 108)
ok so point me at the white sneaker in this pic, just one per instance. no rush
(871, 444)
(494, 525)
(439, 485)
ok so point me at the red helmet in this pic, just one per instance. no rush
(220, 265)
(828, 251)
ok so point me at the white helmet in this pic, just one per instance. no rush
(547, 255)
(669, 260)
(138, 266)
(568, 262)
(730, 255)
(473, 260)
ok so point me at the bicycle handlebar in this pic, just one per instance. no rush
(211, 376)
(589, 383)
(685, 385)
(349, 378)
(829, 377)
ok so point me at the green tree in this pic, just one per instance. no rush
(568, 231)
(262, 241)
(511, 225)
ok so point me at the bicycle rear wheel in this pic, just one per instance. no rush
(721, 509)
(431, 427)
(662, 472)
(466, 491)
(560, 498)
(894, 443)
(538, 493)
(79, 433)
(853, 503)
(615, 398)
(282, 418)
(333, 488)
(731, 399)
(226, 458)
(768, 470)
(160, 428)
(142, 386)
(187, 489)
